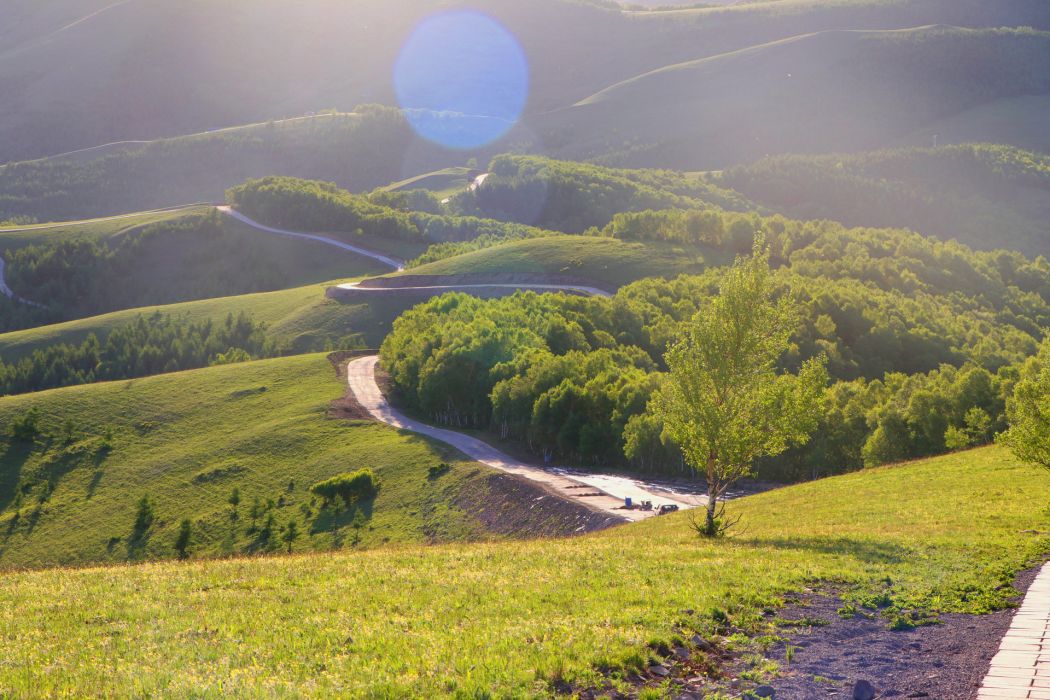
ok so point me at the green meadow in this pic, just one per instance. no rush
(510, 619)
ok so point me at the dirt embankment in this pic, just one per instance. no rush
(401, 281)
(513, 506)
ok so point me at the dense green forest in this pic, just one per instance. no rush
(149, 345)
(311, 205)
(924, 338)
(571, 377)
(983, 195)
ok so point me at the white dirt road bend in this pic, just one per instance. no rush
(612, 489)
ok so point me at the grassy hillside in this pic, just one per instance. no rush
(443, 183)
(1016, 120)
(359, 150)
(817, 92)
(984, 196)
(187, 440)
(605, 261)
(79, 271)
(439, 621)
(205, 67)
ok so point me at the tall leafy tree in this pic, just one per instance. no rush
(1029, 412)
(725, 403)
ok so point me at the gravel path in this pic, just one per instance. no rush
(598, 491)
(1021, 669)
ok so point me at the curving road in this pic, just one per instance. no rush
(589, 291)
(391, 262)
(603, 492)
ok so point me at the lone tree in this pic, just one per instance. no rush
(724, 403)
(1029, 412)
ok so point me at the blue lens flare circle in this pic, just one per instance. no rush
(462, 79)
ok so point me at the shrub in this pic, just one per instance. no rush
(357, 486)
(26, 428)
(439, 470)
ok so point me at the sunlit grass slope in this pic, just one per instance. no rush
(607, 261)
(187, 440)
(442, 183)
(939, 535)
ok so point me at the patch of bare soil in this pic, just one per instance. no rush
(830, 655)
(509, 505)
(946, 661)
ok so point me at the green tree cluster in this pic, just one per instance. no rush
(149, 345)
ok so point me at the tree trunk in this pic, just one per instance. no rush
(711, 527)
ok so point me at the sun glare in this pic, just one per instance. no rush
(462, 79)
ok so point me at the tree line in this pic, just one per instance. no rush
(312, 205)
(154, 344)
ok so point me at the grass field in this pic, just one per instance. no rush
(605, 261)
(187, 440)
(508, 619)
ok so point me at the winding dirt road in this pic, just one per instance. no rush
(391, 262)
(603, 492)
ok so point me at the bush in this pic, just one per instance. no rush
(440, 470)
(357, 486)
(26, 428)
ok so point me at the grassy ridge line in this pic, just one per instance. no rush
(439, 621)
(300, 319)
(16, 237)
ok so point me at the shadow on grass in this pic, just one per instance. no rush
(334, 521)
(866, 551)
(11, 463)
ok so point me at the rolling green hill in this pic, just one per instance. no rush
(359, 150)
(607, 262)
(84, 270)
(817, 92)
(203, 67)
(984, 196)
(187, 440)
(528, 618)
